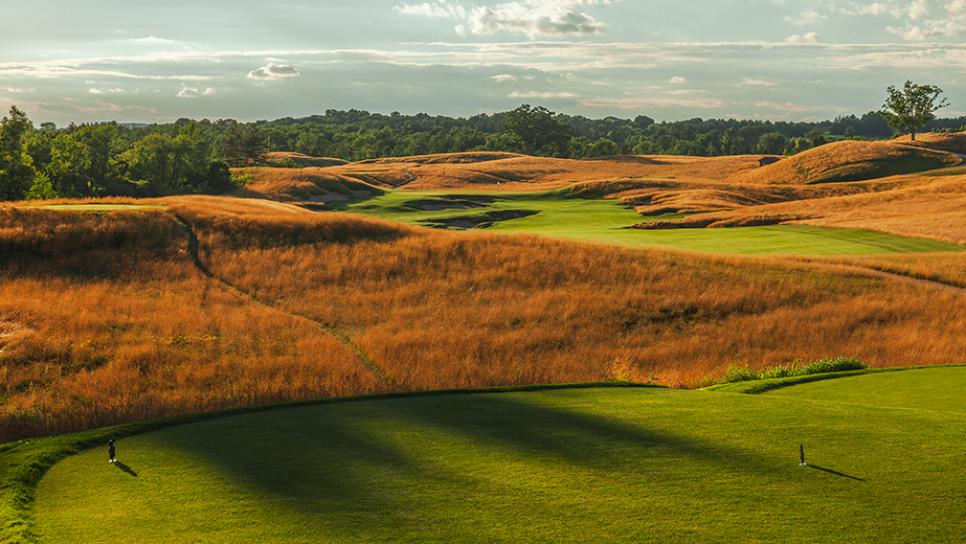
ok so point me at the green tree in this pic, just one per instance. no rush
(42, 188)
(603, 148)
(17, 171)
(772, 143)
(242, 144)
(538, 129)
(911, 108)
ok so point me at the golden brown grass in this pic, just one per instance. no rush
(954, 142)
(915, 205)
(288, 159)
(481, 171)
(104, 319)
(849, 161)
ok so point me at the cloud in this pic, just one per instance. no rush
(652, 102)
(678, 80)
(503, 78)
(195, 92)
(273, 71)
(115, 90)
(805, 18)
(541, 94)
(787, 106)
(439, 9)
(749, 82)
(531, 18)
(807, 37)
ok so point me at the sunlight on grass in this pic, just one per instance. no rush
(558, 214)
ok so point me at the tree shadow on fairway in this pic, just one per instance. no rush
(126, 469)
(565, 435)
(836, 473)
(387, 461)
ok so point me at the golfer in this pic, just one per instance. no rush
(111, 452)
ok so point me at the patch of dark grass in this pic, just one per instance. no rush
(794, 369)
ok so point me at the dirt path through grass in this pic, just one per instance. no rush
(328, 328)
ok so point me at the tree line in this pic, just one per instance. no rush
(187, 156)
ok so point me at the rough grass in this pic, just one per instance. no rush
(849, 161)
(104, 319)
(884, 453)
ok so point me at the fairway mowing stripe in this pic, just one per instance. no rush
(364, 358)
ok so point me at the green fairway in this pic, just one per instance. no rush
(563, 465)
(559, 214)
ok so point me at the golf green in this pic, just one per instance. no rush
(562, 465)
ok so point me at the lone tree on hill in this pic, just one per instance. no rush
(912, 107)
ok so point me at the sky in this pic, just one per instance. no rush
(146, 61)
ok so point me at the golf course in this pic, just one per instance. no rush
(563, 215)
(588, 464)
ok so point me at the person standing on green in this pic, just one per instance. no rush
(111, 451)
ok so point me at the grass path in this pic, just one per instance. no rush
(581, 465)
(558, 214)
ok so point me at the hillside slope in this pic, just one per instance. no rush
(849, 161)
(106, 318)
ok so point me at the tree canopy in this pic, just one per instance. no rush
(909, 109)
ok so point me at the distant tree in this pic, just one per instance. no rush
(603, 148)
(241, 144)
(538, 129)
(505, 141)
(17, 171)
(772, 143)
(42, 188)
(816, 137)
(911, 108)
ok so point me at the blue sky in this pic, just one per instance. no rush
(777, 59)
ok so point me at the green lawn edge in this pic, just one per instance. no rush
(24, 463)
(756, 387)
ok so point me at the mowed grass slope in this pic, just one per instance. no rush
(582, 465)
(561, 214)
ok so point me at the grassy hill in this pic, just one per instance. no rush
(195, 304)
(567, 465)
(850, 161)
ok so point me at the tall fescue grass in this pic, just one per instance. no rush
(104, 319)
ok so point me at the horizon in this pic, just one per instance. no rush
(760, 60)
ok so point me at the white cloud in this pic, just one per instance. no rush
(749, 82)
(805, 18)
(678, 80)
(541, 94)
(195, 92)
(115, 90)
(439, 8)
(806, 37)
(503, 78)
(532, 18)
(273, 71)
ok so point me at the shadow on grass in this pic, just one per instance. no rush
(836, 473)
(387, 456)
(126, 469)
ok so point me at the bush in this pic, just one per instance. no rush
(839, 364)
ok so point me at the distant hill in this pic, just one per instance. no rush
(850, 161)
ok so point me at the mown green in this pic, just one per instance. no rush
(561, 214)
(571, 465)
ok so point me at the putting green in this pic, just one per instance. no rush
(564, 465)
(558, 214)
